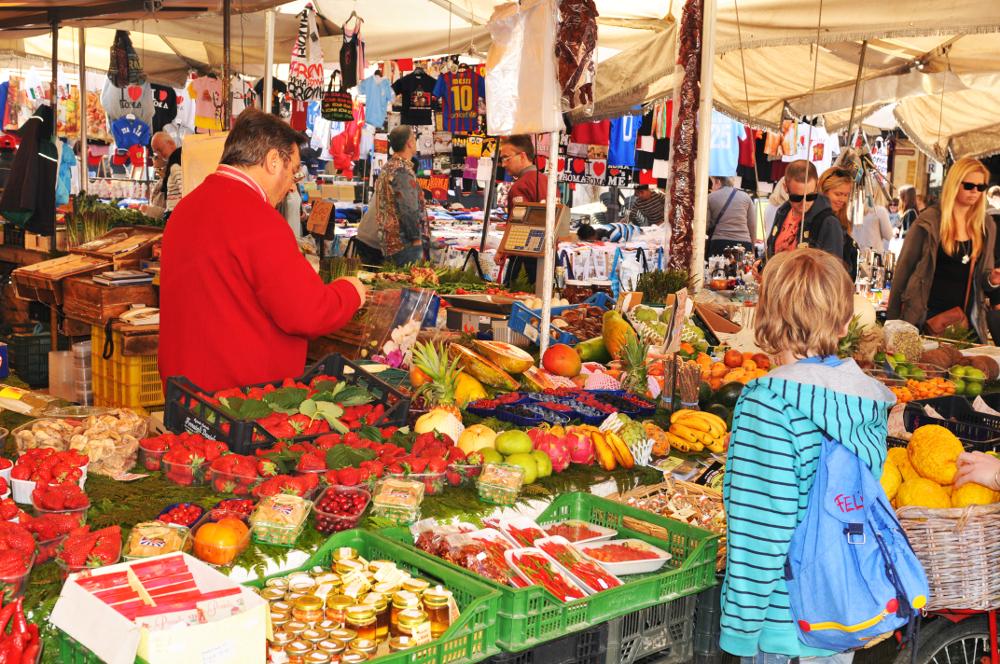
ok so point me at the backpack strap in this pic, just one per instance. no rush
(715, 220)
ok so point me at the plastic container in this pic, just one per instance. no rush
(232, 483)
(958, 409)
(61, 374)
(47, 549)
(21, 490)
(6, 465)
(80, 513)
(568, 557)
(154, 538)
(66, 569)
(472, 637)
(644, 566)
(526, 321)
(463, 474)
(978, 382)
(185, 474)
(567, 528)
(500, 483)
(518, 414)
(149, 459)
(663, 634)
(549, 415)
(187, 409)
(589, 646)
(331, 521)
(974, 437)
(29, 356)
(14, 585)
(171, 506)
(434, 483)
(124, 381)
(529, 616)
(398, 500)
(518, 561)
(707, 629)
(216, 553)
(270, 528)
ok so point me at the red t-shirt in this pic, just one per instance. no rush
(530, 187)
(238, 301)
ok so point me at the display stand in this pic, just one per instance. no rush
(525, 235)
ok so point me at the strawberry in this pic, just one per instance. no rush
(349, 476)
(267, 468)
(311, 462)
(419, 464)
(437, 465)
(454, 479)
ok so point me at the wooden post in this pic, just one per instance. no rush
(227, 66)
(700, 225)
(268, 90)
(54, 96)
(84, 180)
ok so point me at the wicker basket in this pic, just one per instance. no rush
(641, 496)
(958, 548)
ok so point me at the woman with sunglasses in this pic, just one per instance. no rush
(947, 256)
(807, 218)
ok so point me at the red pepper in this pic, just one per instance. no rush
(31, 652)
(15, 647)
(20, 622)
(5, 614)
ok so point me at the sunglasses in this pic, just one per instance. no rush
(797, 198)
(969, 186)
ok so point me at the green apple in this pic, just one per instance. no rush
(960, 371)
(973, 388)
(527, 461)
(959, 385)
(489, 456)
(544, 463)
(514, 441)
(974, 373)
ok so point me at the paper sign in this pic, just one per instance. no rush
(319, 217)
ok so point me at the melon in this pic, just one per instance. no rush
(508, 357)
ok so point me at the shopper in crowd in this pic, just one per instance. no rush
(167, 191)
(517, 156)
(875, 230)
(948, 256)
(647, 207)
(806, 303)
(778, 197)
(807, 217)
(893, 208)
(836, 184)
(732, 217)
(908, 210)
(586, 233)
(395, 225)
(238, 301)
(993, 199)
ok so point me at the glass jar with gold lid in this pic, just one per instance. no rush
(415, 585)
(361, 619)
(437, 605)
(401, 601)
(308, 609)
(336, 608)
(380, 603)
(413, 623)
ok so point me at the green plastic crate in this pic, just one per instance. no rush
(529, 616)
(72, 651)
(471, 638)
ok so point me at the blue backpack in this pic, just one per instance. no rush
(851, 573)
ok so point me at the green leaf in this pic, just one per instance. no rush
(245, 409)
(309, 408)
(354, 396)
(404, 439)
(344, 456)
(338, 426)
(324, 386)
(325, 395)
(369, 432)
(328, 410)
(286, 399)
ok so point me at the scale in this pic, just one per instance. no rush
(525, 234)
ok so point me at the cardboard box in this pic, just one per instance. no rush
(236, 639)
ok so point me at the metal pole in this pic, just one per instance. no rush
(857, 85)
(227, 66)
(549, 264)
(54, 97)
(84, 180)
(269, 17)
(489, 202)
(704, 143)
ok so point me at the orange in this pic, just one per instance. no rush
(687, 348)
(749, 365)
(715, 383)
(719, 370)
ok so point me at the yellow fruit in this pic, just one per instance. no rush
(616, 332)
(901, 459)
(922, 492)
(468, 389)
(933, 451)
(973, 494)
(891, 479)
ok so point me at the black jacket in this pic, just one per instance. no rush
(29, 197)
(821, 229)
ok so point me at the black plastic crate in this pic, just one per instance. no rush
(28, 355)
(662, 634)
(587, 647)
(187, 410)
(959, 409)
(13, 236)
(707, 629)
(973, 436)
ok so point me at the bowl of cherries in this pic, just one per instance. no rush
(340, 508)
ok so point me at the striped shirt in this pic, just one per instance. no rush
(778, 430)
(621, 232)
(647, 212)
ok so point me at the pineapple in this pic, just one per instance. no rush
(439, 392)
(634, 364)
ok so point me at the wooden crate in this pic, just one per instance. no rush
(42, 281)
(94, 303)
(125, 247)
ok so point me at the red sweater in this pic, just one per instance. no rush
(238, 302)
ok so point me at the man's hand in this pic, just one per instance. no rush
(358, 286)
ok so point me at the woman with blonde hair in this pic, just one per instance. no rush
(836, 184)
(947, 258)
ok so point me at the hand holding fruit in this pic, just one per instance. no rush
(979, 468)
(358, 286)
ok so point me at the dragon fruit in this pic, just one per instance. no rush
(556, 448)
(581, 448)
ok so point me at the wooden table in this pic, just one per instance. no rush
(22, 256)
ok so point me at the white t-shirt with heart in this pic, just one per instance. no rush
(134, 100)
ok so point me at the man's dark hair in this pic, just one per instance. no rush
(524, 143)
(256, 133)
(399, 137)
(586, 233)
(641, 187)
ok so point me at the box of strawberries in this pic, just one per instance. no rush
(165, 609)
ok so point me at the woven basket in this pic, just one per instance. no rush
(959, 549)
(640, 495)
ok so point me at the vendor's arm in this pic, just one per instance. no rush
(408, 208)
(913, 249)
(761, 493)
(291, 291)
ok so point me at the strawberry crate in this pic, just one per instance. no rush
(530, 616)
(188, 409)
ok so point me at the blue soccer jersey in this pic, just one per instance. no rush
(460, 93)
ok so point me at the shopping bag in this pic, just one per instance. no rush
(337, 104)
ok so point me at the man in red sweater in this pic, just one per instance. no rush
(238, 301)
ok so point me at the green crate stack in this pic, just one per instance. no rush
(529, 616)
(471, 638)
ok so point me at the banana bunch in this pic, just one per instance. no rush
(610, 448)
(695, 431)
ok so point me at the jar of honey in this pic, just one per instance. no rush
(308, 609)
(381, 606)
(361, 619)
(437, 606)
(414, 624)
(336, 609)
(401, 601)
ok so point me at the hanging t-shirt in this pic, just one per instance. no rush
(164, 106)
(134, 100)
(129, 131)
(724, 152)
(300, 111)
(592, 133)
(460, 93)
(624, 131)
(352, 56)
(823, 148)
(3, 101)
(416, 90)
(208, 105)
(242, 93)
(67, 160)
(378, 95)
